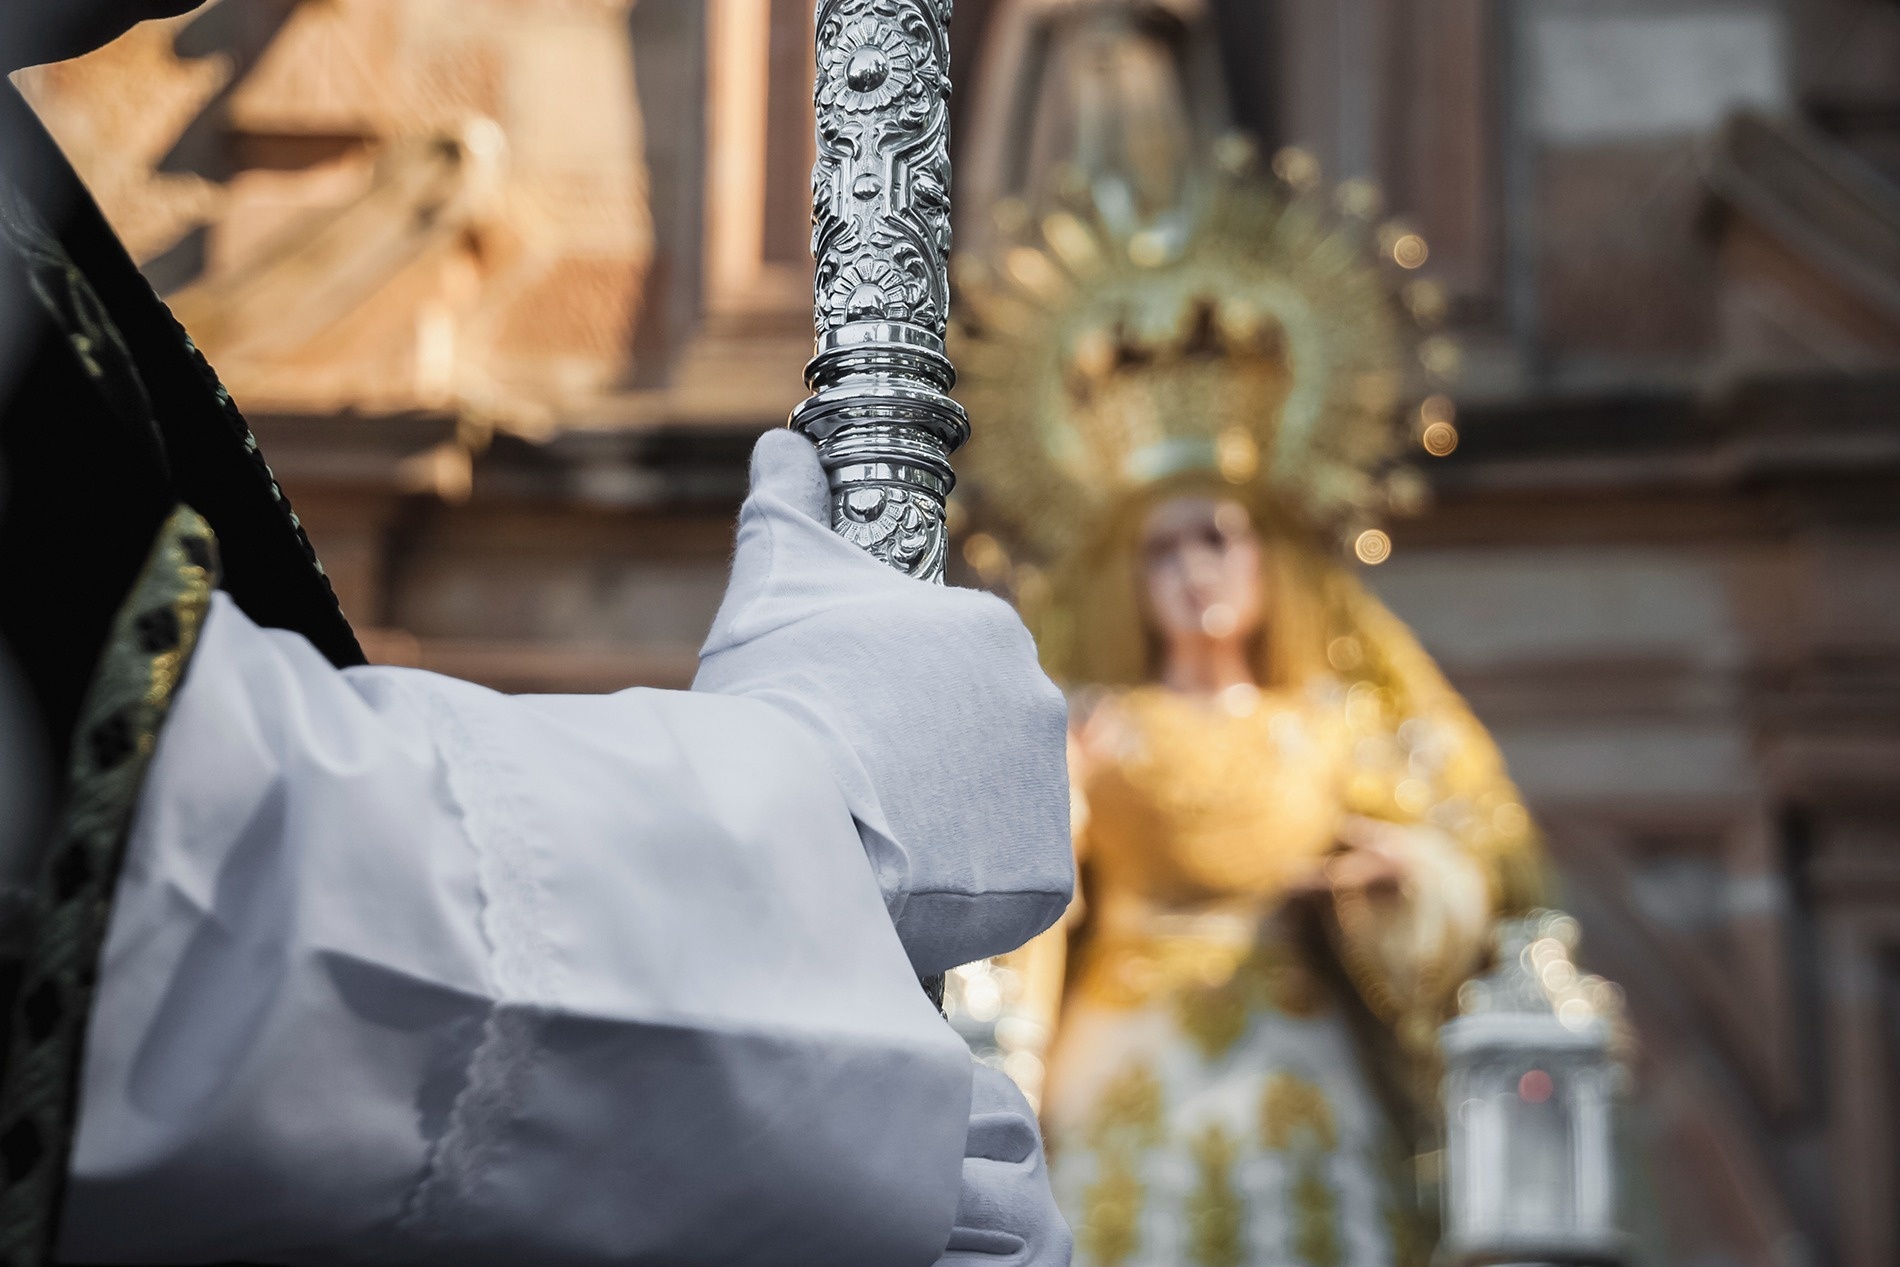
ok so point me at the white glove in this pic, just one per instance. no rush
(1007, 1215)
(927, 701)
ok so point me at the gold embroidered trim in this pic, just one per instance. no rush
(1215, 986)
(1111, 1212)
(151, 645)
(1316, 1240)
(1129, 1120)
(1295, 1112)
(1216, 1210)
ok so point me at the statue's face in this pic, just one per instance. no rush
(1200, 560)
(36, 31)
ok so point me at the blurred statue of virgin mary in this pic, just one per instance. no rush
(1295, 837)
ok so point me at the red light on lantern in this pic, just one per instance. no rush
(1535, 1087)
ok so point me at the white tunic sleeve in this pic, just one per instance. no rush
(406, 970)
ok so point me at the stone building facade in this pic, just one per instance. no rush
(508, 286)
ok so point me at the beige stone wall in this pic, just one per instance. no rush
(394, 204)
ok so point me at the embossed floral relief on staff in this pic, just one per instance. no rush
(880, 412)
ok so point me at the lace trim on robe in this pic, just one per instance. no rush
(513, 907)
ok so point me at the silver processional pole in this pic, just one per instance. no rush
(880, 413)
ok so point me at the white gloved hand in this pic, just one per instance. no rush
(929, 704)
(1006, 1216)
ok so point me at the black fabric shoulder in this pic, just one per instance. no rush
(270, 568)
(83, 490)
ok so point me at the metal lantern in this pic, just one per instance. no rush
(1531, 1085)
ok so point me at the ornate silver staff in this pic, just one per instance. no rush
(879, 413)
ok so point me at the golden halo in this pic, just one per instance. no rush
(1256, 336)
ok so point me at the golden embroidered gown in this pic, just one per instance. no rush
(1209, 1099)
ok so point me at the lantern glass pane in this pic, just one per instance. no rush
(1539, 1157)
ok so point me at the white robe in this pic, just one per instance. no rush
(404, 970)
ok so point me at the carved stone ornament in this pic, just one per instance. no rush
(880, 413)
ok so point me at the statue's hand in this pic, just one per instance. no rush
(928, 703)
(1006, 1216)
(1372, 860)
(1365, 863)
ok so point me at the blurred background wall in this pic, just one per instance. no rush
(508, 286)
